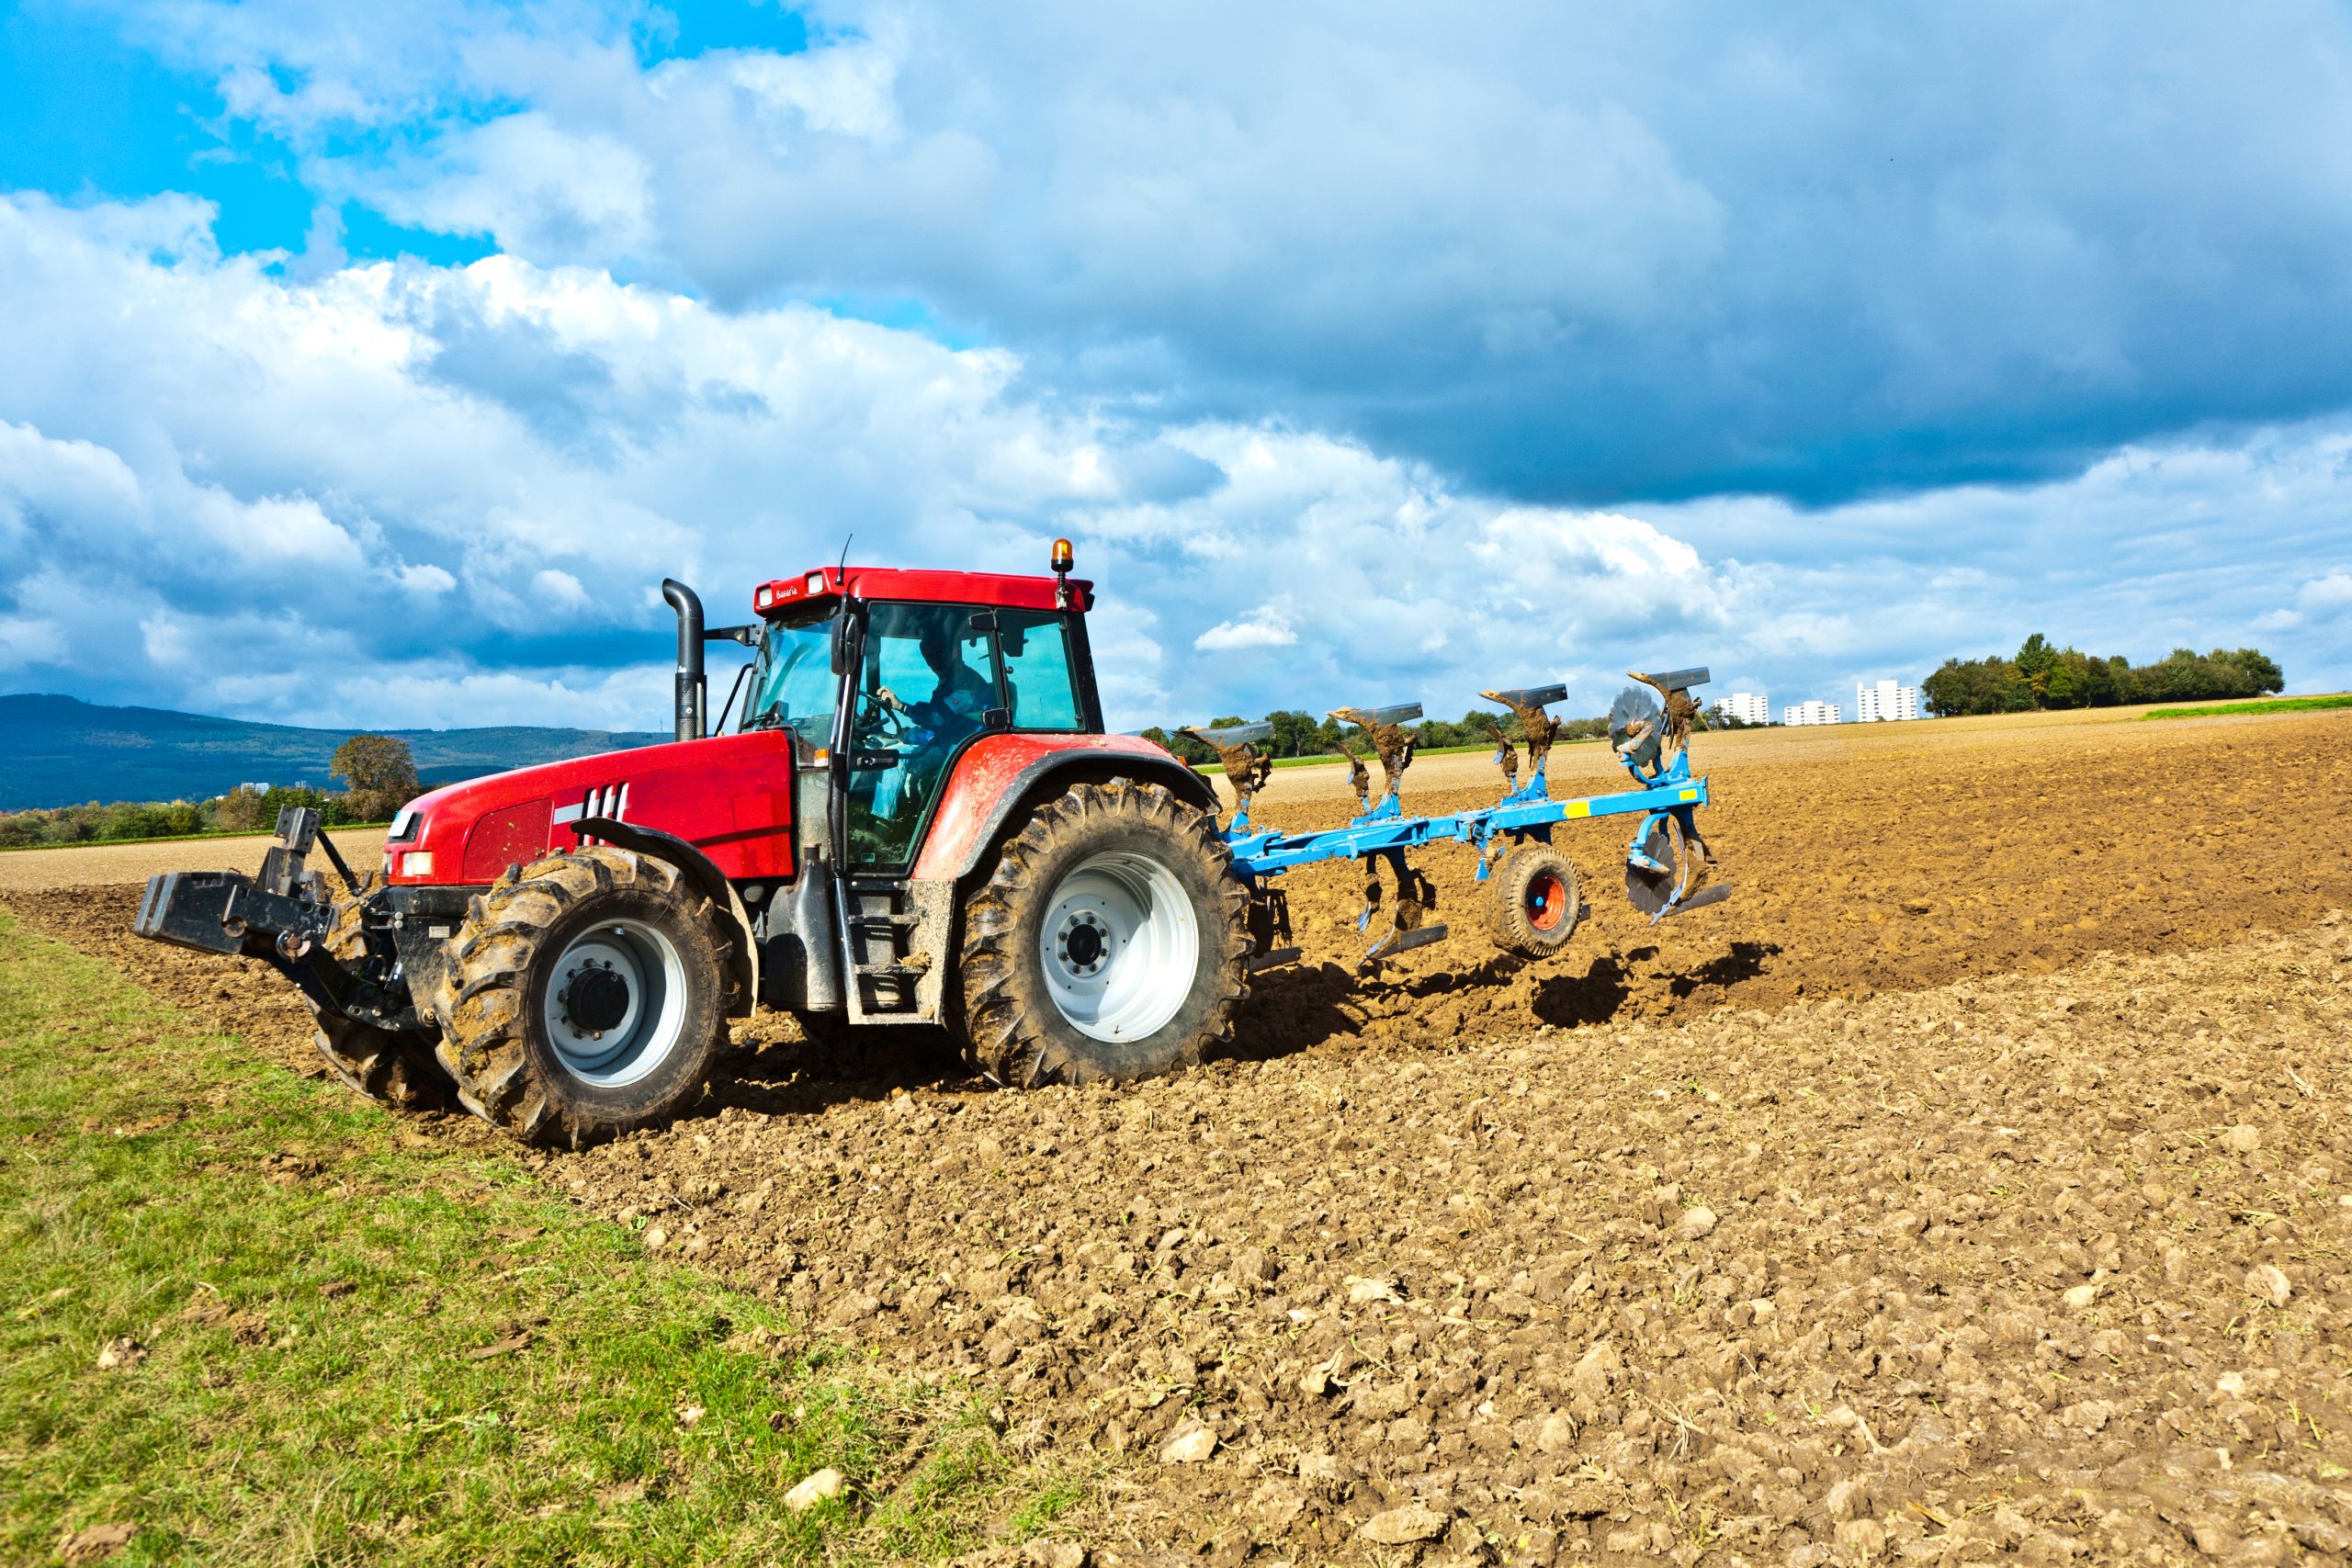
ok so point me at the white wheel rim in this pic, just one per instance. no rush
(1120, 947)
(648, 1031)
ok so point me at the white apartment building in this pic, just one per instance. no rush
(1885, 700)
(1748, 708)
(1815, 712)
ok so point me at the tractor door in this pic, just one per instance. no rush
(926, 685)
(932, 678)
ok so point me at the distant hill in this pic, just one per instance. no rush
(63, 752)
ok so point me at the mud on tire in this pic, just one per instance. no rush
(557, 1063)
(392, 1067)
(1532, 903)
(1109, 942)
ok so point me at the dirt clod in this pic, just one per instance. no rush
(1864, 1538)
(2269, 1282)
(821, 1487)
(94, 1543)
(121, 1354)
(1403, 1526)
(1191, 1444)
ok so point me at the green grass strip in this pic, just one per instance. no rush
(362, 1345)
(2269, 704)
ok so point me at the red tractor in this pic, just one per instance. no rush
(914, 817)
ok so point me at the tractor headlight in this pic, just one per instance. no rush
(417, 863)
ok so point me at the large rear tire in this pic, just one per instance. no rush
(1110, 941)
(394, 1069)
(586, 996)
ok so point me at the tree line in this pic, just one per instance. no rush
(378, 774)
(2044, 676)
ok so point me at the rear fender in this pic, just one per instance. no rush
(1000, 776)
(707, 879)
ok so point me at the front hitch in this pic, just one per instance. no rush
(281, 917)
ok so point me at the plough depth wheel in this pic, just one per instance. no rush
(1533, 902)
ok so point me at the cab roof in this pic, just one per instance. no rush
(997, 590)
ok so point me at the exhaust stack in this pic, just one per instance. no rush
(690, 684)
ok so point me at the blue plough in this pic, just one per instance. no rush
(1532, 885)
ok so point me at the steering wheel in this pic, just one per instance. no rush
(882, 724)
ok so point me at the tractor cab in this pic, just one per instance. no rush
(887, 678)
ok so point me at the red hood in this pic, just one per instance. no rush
(729, 795)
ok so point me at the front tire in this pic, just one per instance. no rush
(1109, 943)
(585, 997)
(394, 1069)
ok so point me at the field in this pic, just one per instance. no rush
(1973, 1186)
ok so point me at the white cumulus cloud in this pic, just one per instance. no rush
(1266, 629)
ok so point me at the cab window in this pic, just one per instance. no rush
(929, 681)
(1038, 691)
(792, 682)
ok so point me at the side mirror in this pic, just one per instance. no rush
(845, 641)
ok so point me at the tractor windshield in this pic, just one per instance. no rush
(792, 683)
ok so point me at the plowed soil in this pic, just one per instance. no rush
(1975, 1185)
(1899, 861)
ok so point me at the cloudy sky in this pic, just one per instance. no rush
(371, 364)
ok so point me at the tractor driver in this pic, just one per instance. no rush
(962, 694)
